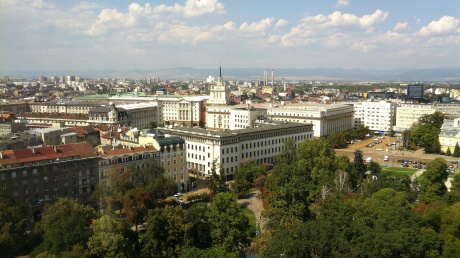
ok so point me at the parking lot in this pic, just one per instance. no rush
(379, 147)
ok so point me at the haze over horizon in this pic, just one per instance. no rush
(53, 35)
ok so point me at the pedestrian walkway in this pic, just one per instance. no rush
(253, 202)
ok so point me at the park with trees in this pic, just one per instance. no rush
(316, 204)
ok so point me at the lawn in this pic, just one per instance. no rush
(252, 219)
(399, 171)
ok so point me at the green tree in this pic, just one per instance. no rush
(246, 175)
(111, 237)
(200, 231)
(448, 152)
(436, 119)
(374, 168)
(338, 140)
(167, 232)
(152, 125)
(426, 136)
(432, 184)
(13, 223)
(386, 226)
(65, 223)
(456, 151)
(316, 157)
(228, 223)
(406, 138)
(217, 182)
(211, 252)
(359, 168)
(136, 203)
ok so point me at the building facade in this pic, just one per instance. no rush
(43, 174)
(408, 114)
(227, 149)
(325, 119)
(379, 116)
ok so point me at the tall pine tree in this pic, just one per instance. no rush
(456, 151)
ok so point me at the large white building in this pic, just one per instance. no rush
(379, 116)
(229, 148)
(408, 114)
(325, 118)
(217, 106)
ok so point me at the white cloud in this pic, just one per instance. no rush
(280, 23)
(342, 3)
(339, 19)
(258, 26)
(193, 8)
(445, 25)
(401, 26)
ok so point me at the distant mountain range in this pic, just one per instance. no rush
(323, 74)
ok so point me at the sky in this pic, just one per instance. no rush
(65, 35)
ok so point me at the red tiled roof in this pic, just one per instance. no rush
(83, 130)
(47, 152)
(54, 115)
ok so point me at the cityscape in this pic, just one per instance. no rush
(209, 128)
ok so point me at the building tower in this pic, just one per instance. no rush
(220, 94)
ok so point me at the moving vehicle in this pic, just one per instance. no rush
(386, 158)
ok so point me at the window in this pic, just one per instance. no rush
(3, 186)
(34, 171)
(24, 172)
(3, 175)
(45, 179)
(13, 174)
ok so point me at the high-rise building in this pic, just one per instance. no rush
(415, 91)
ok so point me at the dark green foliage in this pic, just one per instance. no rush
(65, 223)
(436, 119)
(359, 168)
(448, 152)
(13, 223)
(228, 224)
(212, 252)
(111, 237)
(167, 232)
(217, 182)
(245, 176)
(456, 151)
(200, 231)
(432, 187)
(338, 140)
(374, 168)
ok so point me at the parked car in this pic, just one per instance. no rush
(178, 195)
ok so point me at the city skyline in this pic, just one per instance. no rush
(121, 35)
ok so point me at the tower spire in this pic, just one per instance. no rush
(220, 71)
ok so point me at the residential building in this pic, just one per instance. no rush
(408, 114)
(450, 110)
(55, 135)
(43, 174)
(379, 116)
(21, 140)
(450, 134)
(109, 115)
(113, 157)
(8, 128)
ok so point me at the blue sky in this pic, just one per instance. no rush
(40, 35)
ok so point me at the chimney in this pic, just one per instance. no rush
(1, 154)
(55, 148)
(34, 151)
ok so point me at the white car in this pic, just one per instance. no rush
(177, 195)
